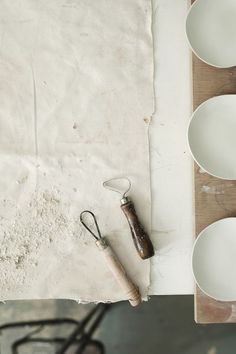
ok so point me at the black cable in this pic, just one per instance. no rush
(27, 336)
(87, 338)
(23, 341)
(40, 323)
(82, 342)
(95, 344)
(58, 340)
(46, 322)
(79, 329)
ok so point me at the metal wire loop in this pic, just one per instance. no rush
(107, 185)
(97, 237)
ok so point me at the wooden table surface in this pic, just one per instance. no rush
(214, 198)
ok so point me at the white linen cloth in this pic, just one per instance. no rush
(76, 97)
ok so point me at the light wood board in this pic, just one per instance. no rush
(220, 201)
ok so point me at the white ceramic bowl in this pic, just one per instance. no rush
(212, 136)
(214, 260)
(211, 31)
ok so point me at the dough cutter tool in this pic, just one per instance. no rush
(115, 266)
(141, 239)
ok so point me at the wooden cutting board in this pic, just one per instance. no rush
(214, 198)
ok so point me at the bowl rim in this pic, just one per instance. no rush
(200, 235)
(214, 98)
(191, 8)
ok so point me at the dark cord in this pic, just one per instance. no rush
(78, 337)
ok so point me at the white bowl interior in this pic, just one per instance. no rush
(212, 136)
(211, 31)
(214, 260)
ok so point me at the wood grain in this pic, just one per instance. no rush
(214, 198)
(119, 273)
(141, 239)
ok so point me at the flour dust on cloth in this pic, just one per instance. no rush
(76, 93)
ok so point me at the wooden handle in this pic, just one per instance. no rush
(141, 239)
(130, 289)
